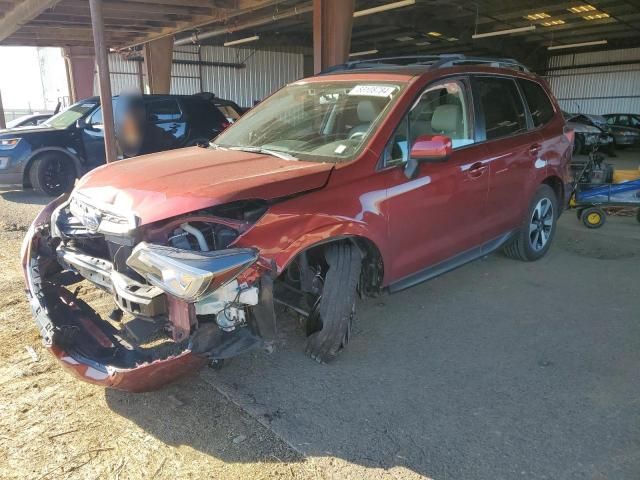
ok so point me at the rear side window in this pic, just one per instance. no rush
(163, 111)
(202, 112)
(502, 106)
(538, 102)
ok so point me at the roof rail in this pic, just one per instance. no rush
(431, 61)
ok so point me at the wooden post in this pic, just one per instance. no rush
(104, 80)
(332, 23)
(158, 58)
(3, 123)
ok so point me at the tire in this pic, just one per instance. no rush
(534, 238)
(593, 217)
(336, 306)
(52, 174)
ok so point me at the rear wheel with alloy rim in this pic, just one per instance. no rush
(534, 237)
(52, 174)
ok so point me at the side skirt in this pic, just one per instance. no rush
(451, 263)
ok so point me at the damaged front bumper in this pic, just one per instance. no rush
(97, 351)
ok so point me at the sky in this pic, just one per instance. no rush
(21, 84)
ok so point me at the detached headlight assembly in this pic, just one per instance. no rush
(9, 143)
(189, 274)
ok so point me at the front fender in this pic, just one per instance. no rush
(281, 248)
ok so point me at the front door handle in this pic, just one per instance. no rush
(477, 170)
(534, 149)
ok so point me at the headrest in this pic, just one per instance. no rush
(446, 118)
(367, 111)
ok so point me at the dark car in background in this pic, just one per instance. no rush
(30, 120)
(231, 110)
(625, 128)
(51, 156)
(589, 130)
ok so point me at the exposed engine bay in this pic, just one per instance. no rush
(178, 286)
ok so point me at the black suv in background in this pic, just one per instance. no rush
(51, 156)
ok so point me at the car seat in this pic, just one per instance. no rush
(367, 112)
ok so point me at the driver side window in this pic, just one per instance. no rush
(440, 110)
(95, 120)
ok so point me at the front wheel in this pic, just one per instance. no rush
(334, 311)
(52, 174)
(533, 239)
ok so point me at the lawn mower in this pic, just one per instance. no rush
(598, 187)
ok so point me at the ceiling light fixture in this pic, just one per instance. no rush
(435, 34)
(242, 40)
(403, 39)
(582, 8)
(552, 23)
(365, 52)
(577, 45)
(383, 8)
(504, 32)
(452, 39)
(422, 44)
(537, 16)
(596, 16)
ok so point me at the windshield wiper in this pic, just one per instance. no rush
(265, 151)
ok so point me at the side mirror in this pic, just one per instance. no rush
(428, 148)
(81, 123)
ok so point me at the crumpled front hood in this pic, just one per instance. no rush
(162, 185)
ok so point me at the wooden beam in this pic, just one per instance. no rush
(3, 123)
(104, 79)
(21, 14)
(219, 17)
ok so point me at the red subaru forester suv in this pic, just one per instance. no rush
(374, 176)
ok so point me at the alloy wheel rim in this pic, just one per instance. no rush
(55, 175)
(541, 224)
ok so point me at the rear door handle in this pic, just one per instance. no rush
(477, 170)
(534, 149)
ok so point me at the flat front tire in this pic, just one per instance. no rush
(533, 239)
(335, 309)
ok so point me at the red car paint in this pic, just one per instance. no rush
(163, 185)
(478, 194)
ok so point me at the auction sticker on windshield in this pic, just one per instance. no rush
(372, 90)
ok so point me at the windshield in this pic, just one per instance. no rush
(71, 115)
(324, 122)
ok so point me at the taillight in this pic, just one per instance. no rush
(225, 125)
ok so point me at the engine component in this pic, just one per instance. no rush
(230, 318)
(202, 243)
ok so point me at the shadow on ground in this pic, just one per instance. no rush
(499, 370)
(28, 197)
(190, 413)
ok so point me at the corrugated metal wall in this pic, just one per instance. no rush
(125, 75)
(265, 72)
(598, 89)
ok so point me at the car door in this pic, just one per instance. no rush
(439, 213)
(513, 150)
(166, 126)
(92, 133)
